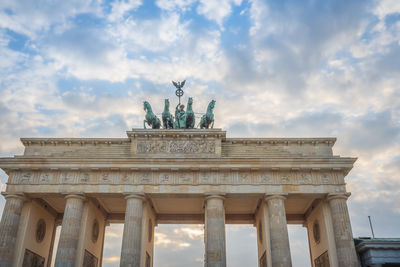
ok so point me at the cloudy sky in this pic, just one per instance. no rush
(83, 68)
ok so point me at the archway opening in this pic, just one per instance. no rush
(241, 245)
(179, 245)
(55, 245)
(299, 246)
(112, 245)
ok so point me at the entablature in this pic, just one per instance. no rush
(174, 143)
(182, 164)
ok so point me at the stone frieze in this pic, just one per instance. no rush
(176, 147)
(179, 177)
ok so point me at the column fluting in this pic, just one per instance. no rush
(345, 248)
(215, 255)
(70, 229)
(279, 238)
(132, 238)
(9, 227)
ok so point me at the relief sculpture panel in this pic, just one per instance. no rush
(185, 177)
(180, 177)
(67, 177)
(45, 178)
(165, 178)
(266, 178)
(225, 178)
(24, 178)
(176, 147)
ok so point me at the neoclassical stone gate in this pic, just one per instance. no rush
(174, 176)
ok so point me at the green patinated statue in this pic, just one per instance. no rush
(189, 116)
(208, 118)
(180, 117)
(167, 118)
(150, 118)
(183, 119)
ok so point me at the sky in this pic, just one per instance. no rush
(276, 68)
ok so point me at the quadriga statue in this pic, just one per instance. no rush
(183, 119)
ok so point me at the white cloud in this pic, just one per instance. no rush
(386, 7)
(10, 59)
(172, 5)
(259, 12)
(32, 17)
(151, 35)
(217, 11)
(112, 259)
(120, 7)
(162, 240)
(304, 77)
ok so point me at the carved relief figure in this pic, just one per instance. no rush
(105, 177)
(176, 147)
(145, 178)
(185, 178)
(267, 178)
(305, 178)
(325, 178)
(165, 178)
(244, 177)
(125, 177)
(285, 178)
(26, 178)
(84, 177)
(67, 177)
(44, 178)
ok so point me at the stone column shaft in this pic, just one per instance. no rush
(70, 229)
(215, 255)
(9, 227)
(345, 248)
(279, 238)
(132, 238)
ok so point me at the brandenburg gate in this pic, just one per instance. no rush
(174, 176)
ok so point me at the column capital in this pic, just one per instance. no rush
(332, 196)
(214, 195)
(282, 196)
(20, 196)
(138, 195)
(80, 196)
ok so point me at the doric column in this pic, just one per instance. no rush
(345, 249)
(215, 255)
(9, 227)
(132, 238)
(279, 238)
(70, 229)
(53, 237)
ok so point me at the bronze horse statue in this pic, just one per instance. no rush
(151, 119)
(190, 119)
(208, 118)
(167, 118)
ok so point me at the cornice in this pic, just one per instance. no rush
(330, 141)
(72, 141)
(176, 133)
(343, 164)
(187, 134)
(381, 244)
